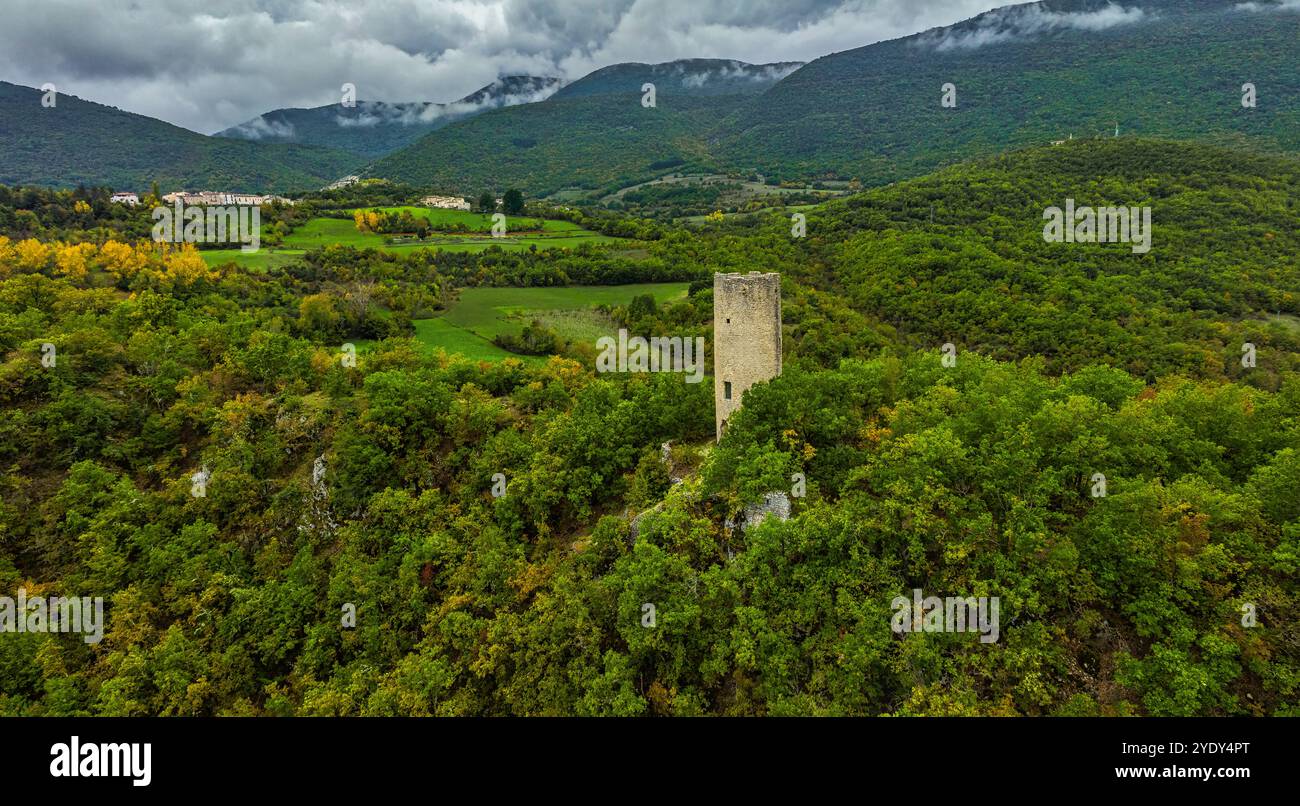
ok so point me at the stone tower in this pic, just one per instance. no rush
(746, 337)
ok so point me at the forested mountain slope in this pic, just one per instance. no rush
(585, 142)
(1025, 75)
(1022, 75)
(79, 142)
(593, 133)
(374, 128)
(959, 256)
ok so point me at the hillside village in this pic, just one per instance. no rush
(208, 197)
(204, 197)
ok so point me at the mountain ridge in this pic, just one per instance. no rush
(373, 128)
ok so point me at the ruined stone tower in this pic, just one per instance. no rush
(746, 337)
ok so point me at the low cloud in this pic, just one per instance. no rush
(1283, 5)
(259, 128)
(739, 73)
(1021, 22)
(410, 114)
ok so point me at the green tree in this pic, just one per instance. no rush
(512, 203)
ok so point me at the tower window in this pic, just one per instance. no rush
(726, 390)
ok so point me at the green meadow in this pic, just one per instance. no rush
(479, 314)
(320, 232)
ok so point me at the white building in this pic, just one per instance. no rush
(124, 198)
(208, 197)
(351, 179)
(445, 202)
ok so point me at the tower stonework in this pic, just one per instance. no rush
(746, 337)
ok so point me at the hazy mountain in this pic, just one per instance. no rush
(374, 128)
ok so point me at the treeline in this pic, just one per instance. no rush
(584, 264)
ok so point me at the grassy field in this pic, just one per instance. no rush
(438, 332)
(260, 260)
(480, 314)
(478, 222)
(320, 232)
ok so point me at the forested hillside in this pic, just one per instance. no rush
(1025, 75)
(959, 257)
(371, 486)
(78, 142)
(593, 133)
(1022, 75)
(586, 142)
(699, 77)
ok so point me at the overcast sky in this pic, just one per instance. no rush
(209, 64)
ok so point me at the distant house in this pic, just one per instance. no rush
(351, 179)
(445, 202)
(125, 198)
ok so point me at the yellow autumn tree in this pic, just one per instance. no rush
(186, 266)
(123, 260)
(70, 260)
(32, 255)
(366, 221)
(7, 259)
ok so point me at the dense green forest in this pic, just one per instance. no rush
(372, 485)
